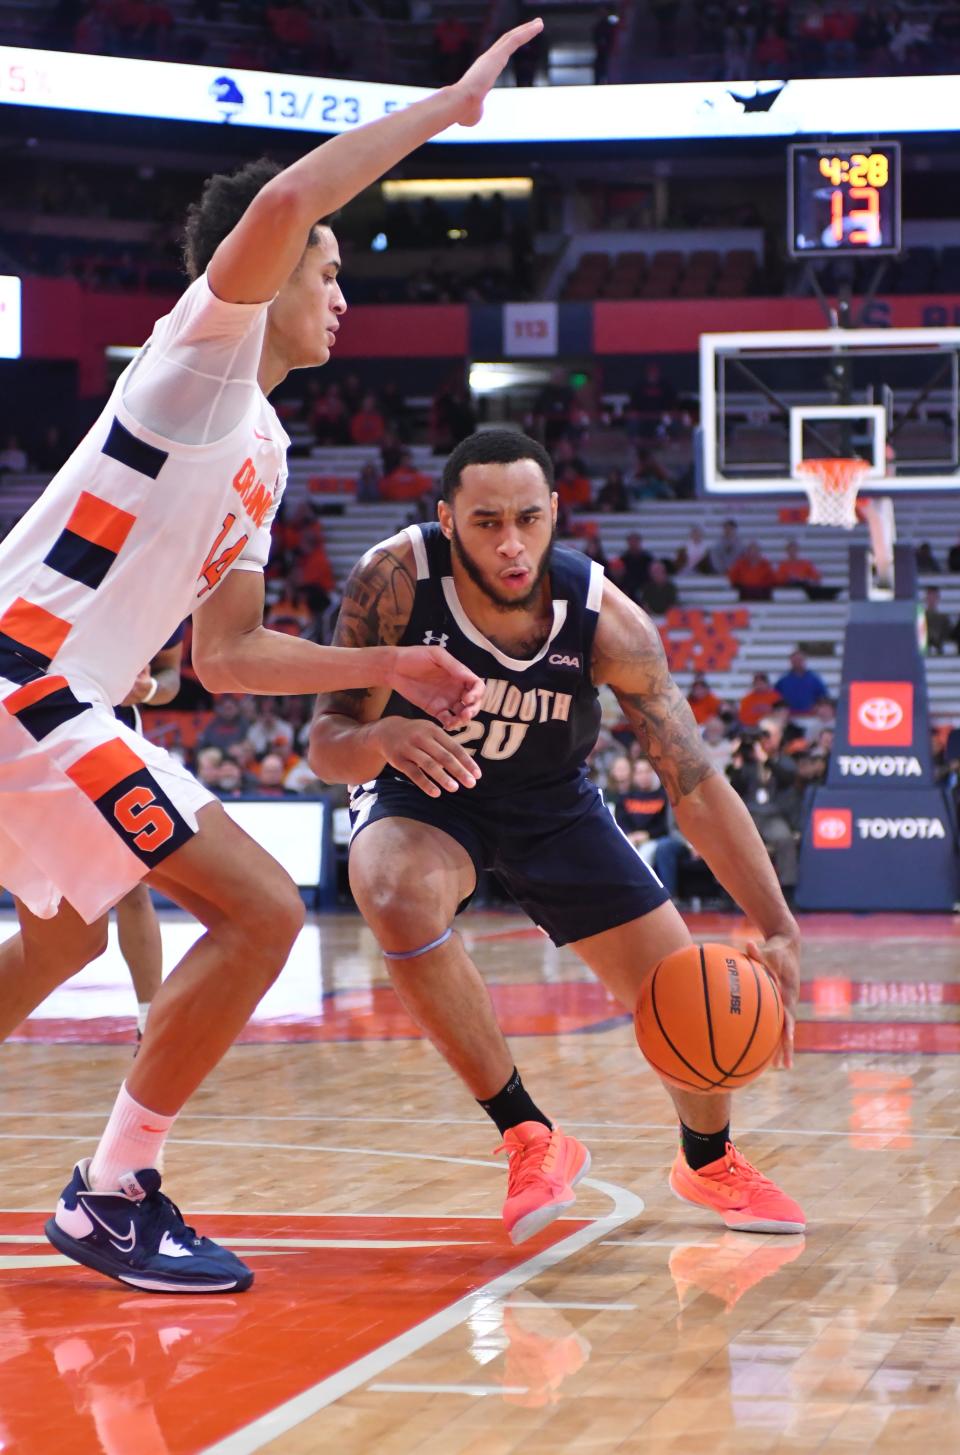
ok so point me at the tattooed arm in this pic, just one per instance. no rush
(350, 742)
(234, 652)
(628, 655)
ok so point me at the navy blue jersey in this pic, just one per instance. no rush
(539, 718)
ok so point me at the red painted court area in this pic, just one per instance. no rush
(89, 1366)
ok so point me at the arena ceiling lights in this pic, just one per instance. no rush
(838, 106)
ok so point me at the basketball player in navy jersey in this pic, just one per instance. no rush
(509, 792)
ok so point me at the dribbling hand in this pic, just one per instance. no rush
(475, 84)
(781, 956)
(437, 683)
(424, 753)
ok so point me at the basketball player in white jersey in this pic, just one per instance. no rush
(165, 509)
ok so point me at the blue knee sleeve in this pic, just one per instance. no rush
(412, 954)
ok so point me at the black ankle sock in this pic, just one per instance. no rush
(701, 1148)
(512, 1105)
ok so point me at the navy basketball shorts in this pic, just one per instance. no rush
(557, 851)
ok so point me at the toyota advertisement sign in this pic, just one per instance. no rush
(881, 833)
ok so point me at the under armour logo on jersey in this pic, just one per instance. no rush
(435, 639)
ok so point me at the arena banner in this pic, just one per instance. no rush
(674, 325)
(881, 834)
(691, 110)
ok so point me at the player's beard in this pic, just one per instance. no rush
(483, 583)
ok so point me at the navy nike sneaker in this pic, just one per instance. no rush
(138, 1236)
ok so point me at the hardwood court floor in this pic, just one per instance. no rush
(390, 1313)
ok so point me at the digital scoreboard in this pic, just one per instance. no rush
(843, 198)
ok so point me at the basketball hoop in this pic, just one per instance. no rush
(831, 486)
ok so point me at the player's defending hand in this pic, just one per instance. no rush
(474, 85)
(780, 954)
(425, 754)
(437, 683)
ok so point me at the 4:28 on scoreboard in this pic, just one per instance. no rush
(843, 198)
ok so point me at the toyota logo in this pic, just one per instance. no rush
(832, 828)
(880, 714)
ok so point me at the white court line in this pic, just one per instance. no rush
(629, 1127)
(626, 1206)
(569, 1304)
(474, 1389)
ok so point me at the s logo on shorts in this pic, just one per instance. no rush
(122, 787)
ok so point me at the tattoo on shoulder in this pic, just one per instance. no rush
(376, 606)
(658, 712)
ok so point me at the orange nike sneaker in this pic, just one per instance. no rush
(747, 1201)
(544, 1168)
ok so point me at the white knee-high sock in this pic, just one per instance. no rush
(133, 1139)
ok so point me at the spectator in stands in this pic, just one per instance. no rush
(269, 732)
(927, 563)
(938, 622)
(405, 481)
(313, 570)
(573, 489)
(718, 745)
(694, 554)
(634, 568)
(766, 780)
(612, 497)
(395, 411)
(724, 552)
(13, 457)
(704, 702)
(650, 480)
(643, 813)
(207, 767)
(230, 780)
(451, 419)
(367, 427)
(329, 418)
(368, 485)
(756, 703)
(552, 408)
(291, 613)
(593, 547)
(796, 570)
(651, 398)
(270, 777)
(659, 592)
(953, 558)
(619, 778)
(752, 574)
(227, 726)
(800, 688)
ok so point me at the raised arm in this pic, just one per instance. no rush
(629, 656)
(350, 741)
(261, 252)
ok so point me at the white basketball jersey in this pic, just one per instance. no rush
(139, 527)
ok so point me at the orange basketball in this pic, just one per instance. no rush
(709, 1018)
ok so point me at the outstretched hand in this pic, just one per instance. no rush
(780, 955)
(437, 683)
(476, 83)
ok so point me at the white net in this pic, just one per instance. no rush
(832, 486)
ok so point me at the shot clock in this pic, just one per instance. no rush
(843, 199)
